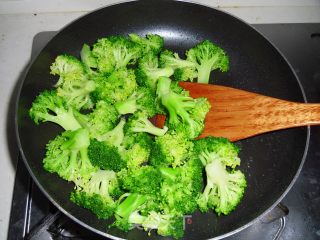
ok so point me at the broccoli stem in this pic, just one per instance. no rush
(65, 119)
(127, 106)
(130, 204)
(204, 71)
(144, 125)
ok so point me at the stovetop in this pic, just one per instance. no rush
(300, 43)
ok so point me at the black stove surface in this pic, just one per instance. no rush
(300, 43)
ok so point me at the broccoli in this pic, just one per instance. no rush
(139, 122)
(201, 60)
(87, 57)
(67, 155)
(225, 150)
(165, 224)
(225, 187)
(172, 149)
(208, 57)
(115, 136)
(181, 187)
(68, 68)
(151, 43)
(143, 180)
(73, 84)
(95, 194)
(49, 107)
(115, 52)
(105, 156)
(148, 71)
(182, 109)
(130, 205)
(142, 99)
(135, 149)
(114, 87)
(101, 120)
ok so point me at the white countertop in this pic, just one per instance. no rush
(20, 20)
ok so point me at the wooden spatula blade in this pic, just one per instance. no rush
(238, 114)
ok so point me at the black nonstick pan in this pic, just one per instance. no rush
(271, 162)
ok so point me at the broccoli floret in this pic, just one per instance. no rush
(115, 52)
(88, 58)
(181, 188)
(151, 43)
(115, 136)
(95, 194)
(136, 149)
(67, 155)
(171, 59)
(226, 151)
(68, 68)
(143, 180)
(181, 109)
(130, 205)
(73, 84)
(101, 120)
(148, 71)
(164, 154)
(139, 122)
(184, 74)
(164, 224)
(77, 93)
(142, 99)
(207, 56)
(225, 187)
(49, 107)
(105, 156)
(116, 87)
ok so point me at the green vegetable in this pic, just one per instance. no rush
(49, 107)
(225, 187)
(122, 165)
(94, 194)
(67, 155)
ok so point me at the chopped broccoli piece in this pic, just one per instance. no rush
(115, 136)
(225, 150)
(87, 57)
(105, 156)
(49, 107)
(115, 87)
(172, 149)
(207, 56)
(136, 149)
(143, 180)
(95, 194)
(181, 187)
(139, 122)
(131, 204)
(67, 155)
(101, 120)
(182, 109)
(142, 99)
(151, 43)
(68, 68)
(225, 188)
(115, 52)
(165, 224)
(148, 71)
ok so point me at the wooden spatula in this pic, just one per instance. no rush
(236, 114)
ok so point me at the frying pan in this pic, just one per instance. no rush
(271, 162)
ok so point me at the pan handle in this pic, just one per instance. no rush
(278, 213)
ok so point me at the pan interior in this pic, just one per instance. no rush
(269, 161)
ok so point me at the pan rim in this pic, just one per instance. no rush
(65, 212)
